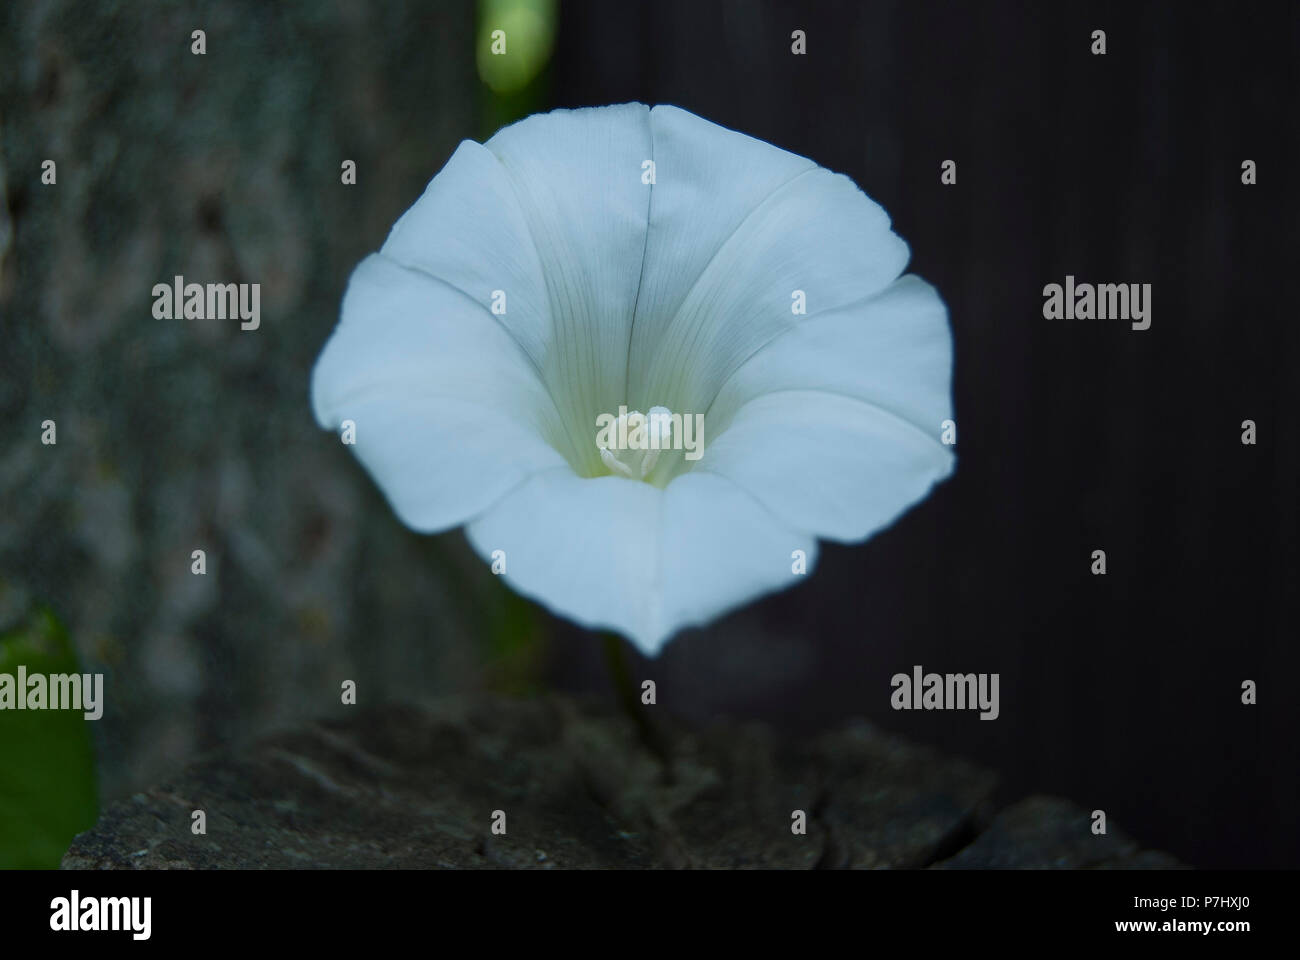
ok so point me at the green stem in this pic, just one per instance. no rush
(625, 687)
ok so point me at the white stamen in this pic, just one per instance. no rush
(618, 466)
(637, 461)
(648, 462)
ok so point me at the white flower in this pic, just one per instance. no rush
(584, 261)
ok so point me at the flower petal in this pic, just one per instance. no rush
(578, 178)
(736, 227)
(467, 229)
(449, 414)
(893, 350)
(836, 424)
(622, 555)
(835, 465)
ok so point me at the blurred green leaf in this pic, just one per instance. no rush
(515, 84)
(515, 41)
(516, 642)
(47, 764)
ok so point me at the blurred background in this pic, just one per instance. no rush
(1121, 692)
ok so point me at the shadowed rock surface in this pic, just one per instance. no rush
(416, 787)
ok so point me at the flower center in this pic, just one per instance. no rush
(631, 442)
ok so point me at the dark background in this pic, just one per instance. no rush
(1120, 692)
(1123, 691)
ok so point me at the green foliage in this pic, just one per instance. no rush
(516, 644)
(517, 83)
(47, 764)
(515, 41)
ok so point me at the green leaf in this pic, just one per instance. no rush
(47, 763)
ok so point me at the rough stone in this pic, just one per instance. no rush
(582, 787)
